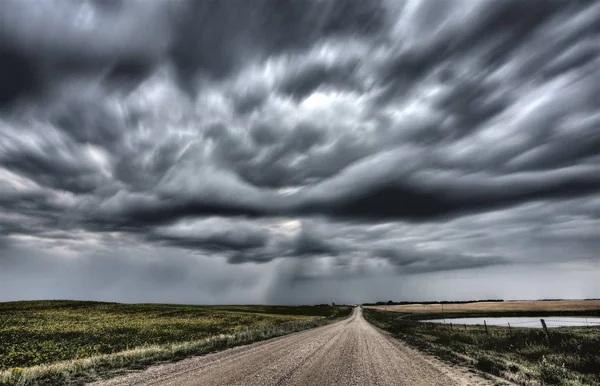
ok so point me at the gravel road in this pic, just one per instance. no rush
(350, 352)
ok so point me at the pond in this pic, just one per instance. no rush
(529, 321)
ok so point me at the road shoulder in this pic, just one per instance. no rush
(459, 374)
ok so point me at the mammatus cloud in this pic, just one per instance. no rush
(417, 136)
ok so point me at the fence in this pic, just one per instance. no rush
(539, 323)
(530, 323)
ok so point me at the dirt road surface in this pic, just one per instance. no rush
(350, 352)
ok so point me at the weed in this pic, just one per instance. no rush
(489, 365)
(552, 374)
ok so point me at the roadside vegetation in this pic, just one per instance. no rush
(71, 342)
(520, 355)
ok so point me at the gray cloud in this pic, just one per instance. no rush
(325, 131)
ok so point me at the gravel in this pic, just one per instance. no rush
(350, 352)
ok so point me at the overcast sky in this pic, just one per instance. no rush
(266, 151)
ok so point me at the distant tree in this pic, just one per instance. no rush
(333, 304)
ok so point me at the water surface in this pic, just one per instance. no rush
(523, 321)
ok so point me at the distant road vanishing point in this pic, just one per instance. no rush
(349, 352)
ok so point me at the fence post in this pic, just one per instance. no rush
(465, 327)
(546, 331)
(451, 329)
(485, 324)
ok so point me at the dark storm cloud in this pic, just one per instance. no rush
(469, 196)
(310, 242)
(18, 76)
(201, 44)
(214, 234)
(359, 133)
(413, 263)
(247, 240)
(523, 235)
(389, 200)
(306, 81)
(87, 122)
(52, 162)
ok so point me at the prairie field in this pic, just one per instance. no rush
(41, 332)
(491, 307)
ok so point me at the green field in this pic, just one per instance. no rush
(521, 355)
(40, 332)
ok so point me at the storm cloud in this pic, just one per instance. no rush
(344, 140)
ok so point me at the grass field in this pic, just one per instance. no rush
(489, 307)
(520, 355)
(41, 332)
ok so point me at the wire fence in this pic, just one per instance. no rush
(504, 332)
(528, 322)
(534, 323)
(572, 321)
(546, 325)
